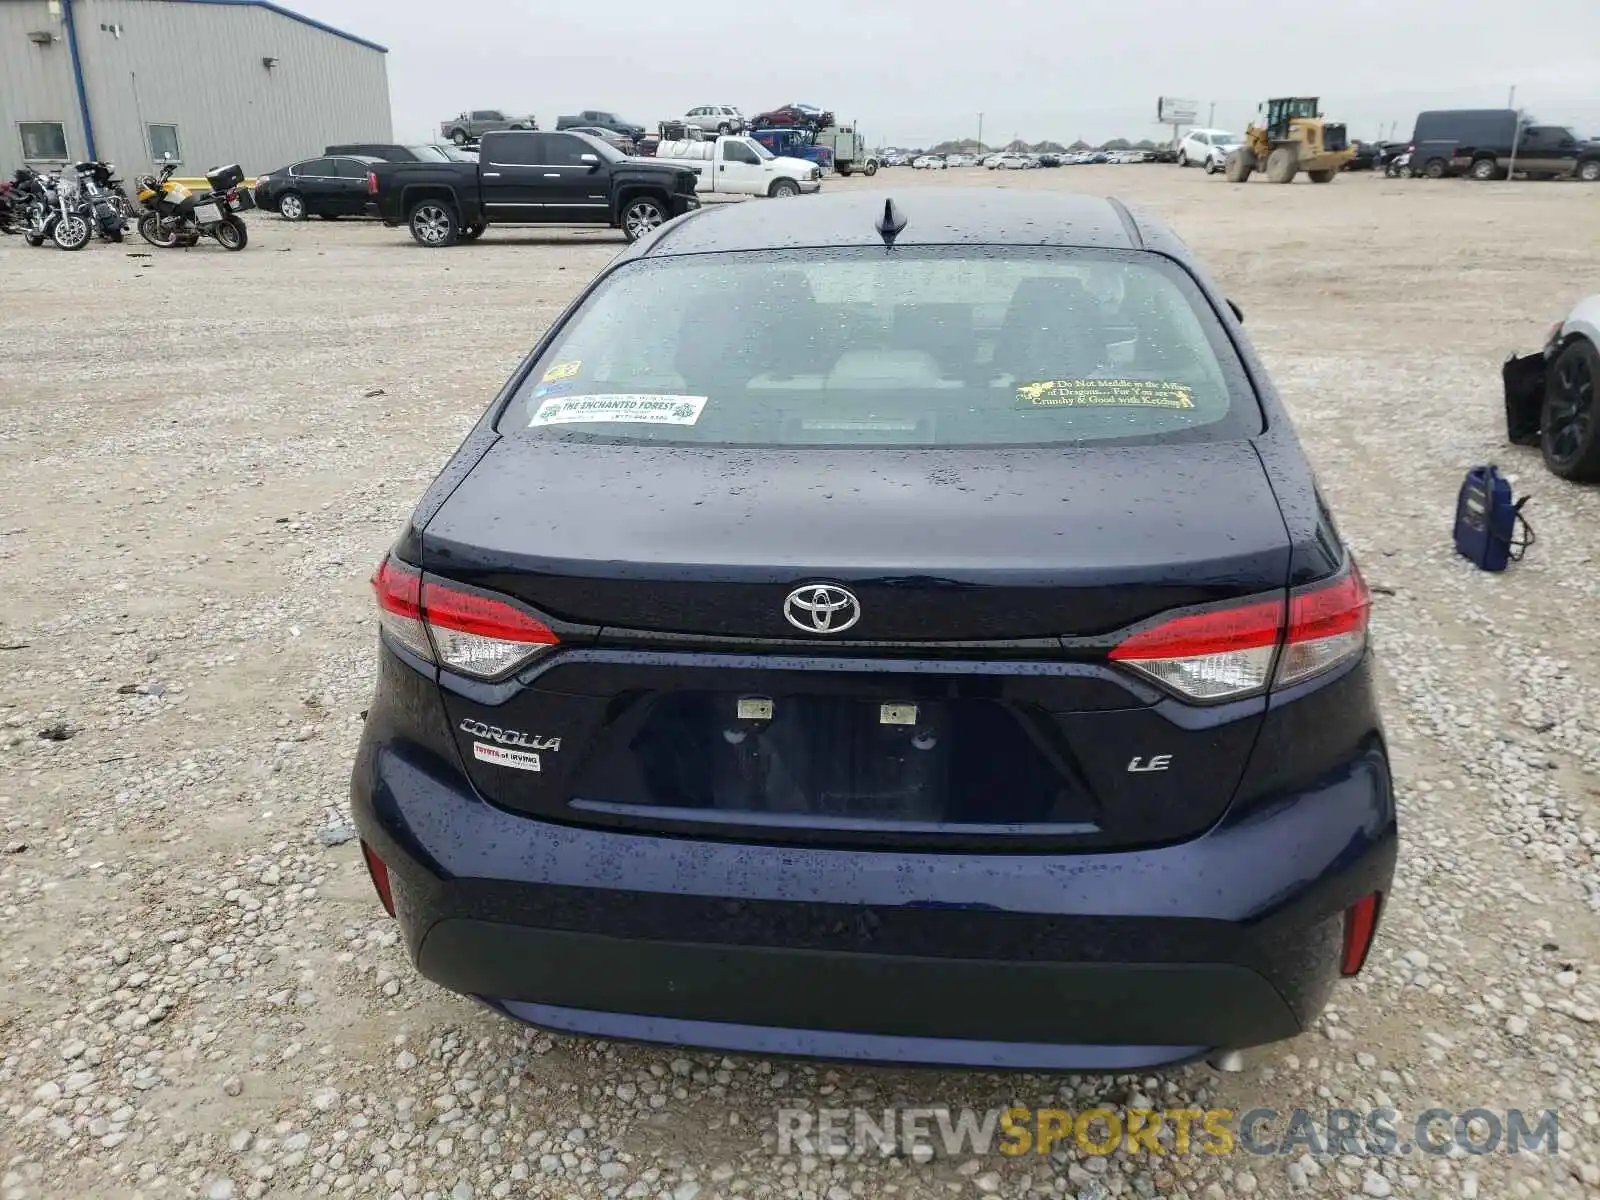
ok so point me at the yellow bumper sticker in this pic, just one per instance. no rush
(1104, 393)
(564, 370)
(640, 409)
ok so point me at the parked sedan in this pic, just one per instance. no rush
(329, 187)
(389, 152)
(618, 141)
(1010, 162)
(1074, 766)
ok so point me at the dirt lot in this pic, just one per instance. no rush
(205, 453)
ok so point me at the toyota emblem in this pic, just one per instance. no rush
(821, 608)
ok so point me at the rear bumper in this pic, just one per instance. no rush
(1086, 961)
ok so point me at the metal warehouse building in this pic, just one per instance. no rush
(202, 82)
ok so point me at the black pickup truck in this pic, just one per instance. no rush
(526, 178)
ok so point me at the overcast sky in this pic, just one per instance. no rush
(913, 72)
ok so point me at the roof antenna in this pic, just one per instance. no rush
(890, 224)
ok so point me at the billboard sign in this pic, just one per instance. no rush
(1171, 111)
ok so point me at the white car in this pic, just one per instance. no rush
(715, 118)
(959, 160)
(1010, 162)
(1208, 148)
(929, 162)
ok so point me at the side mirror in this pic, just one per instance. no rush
(592, 159)
(1238, 313)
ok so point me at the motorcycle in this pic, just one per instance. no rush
(54, 211)
(104, 201)
(176, 216)
(11, 206)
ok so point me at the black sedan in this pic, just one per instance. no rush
(617, 141)
(907, 636)
(329, 187)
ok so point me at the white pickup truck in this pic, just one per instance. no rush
(741, 166)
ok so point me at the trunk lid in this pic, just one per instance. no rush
(937, 546)
(947, 740)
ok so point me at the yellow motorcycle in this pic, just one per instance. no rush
(175, 215)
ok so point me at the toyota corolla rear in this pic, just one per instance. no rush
(936, 655)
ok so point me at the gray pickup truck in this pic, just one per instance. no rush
(470, 126)
(593, 118)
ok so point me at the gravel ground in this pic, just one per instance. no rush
(206, 454)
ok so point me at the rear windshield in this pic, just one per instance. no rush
(945, 347)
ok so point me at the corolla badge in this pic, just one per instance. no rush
(510, 737)
(821, 608)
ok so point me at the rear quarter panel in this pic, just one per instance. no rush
(1584, 320)
(402, 184)
(1316, 549)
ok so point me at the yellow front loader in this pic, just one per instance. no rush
(1292, 138)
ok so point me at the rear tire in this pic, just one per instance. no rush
(1569, 422)
(1240, 165)
(458, 136)
(434, 224)
(292, 206)
(641, 216)
(231, 234)
(1589, 171)
(1283, 164)
(1321, 176)
(1434, 168)
(1483, 170)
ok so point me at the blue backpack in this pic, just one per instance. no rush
(1487, 521)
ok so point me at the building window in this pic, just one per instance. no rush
(43, 141)
(164, 144)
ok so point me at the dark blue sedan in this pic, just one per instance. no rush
(902, 634)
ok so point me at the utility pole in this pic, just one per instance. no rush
(1516, 135)
(1211, 117)
(980, 131)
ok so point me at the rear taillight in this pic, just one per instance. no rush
(1360, 924)
(372, 183)
(1214, 655)
(467, 631)
(399, 591)
(1327, 626)
(1228, 653)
